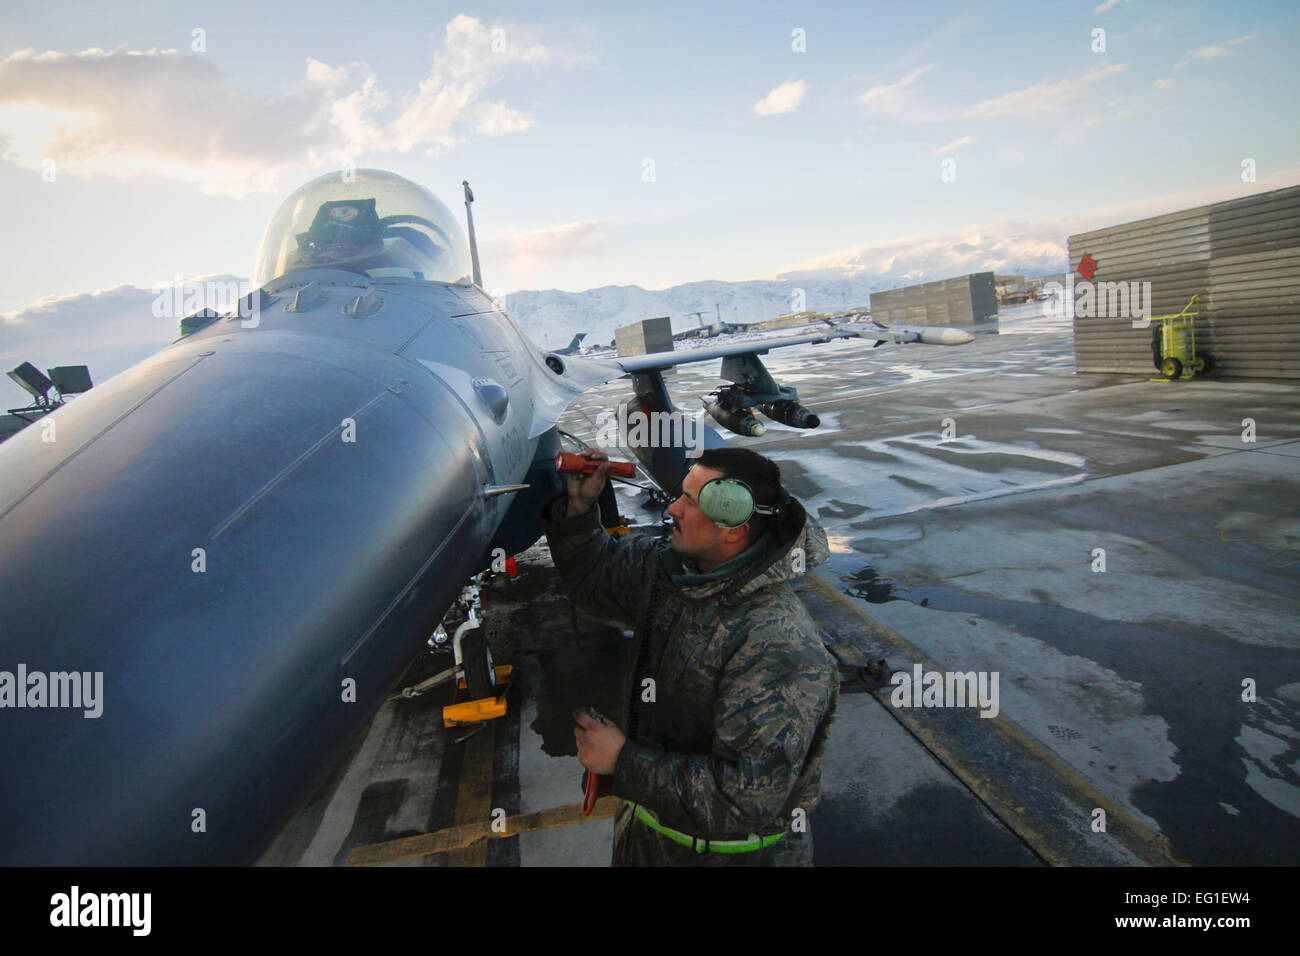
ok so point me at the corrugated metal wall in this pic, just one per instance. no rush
(964, 300)
(1242, 256)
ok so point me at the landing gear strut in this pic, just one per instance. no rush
(485, 685)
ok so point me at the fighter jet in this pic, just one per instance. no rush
(215, 566)
(573, 346)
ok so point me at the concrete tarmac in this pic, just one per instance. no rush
(1116, 556)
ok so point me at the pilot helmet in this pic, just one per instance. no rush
(343, 231)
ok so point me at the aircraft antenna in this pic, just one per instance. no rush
(473, 243)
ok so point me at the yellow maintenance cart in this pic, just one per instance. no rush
(1173, 345)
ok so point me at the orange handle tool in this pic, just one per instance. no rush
(568, 462)
(596, 786)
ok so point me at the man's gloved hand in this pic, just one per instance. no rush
(585, 489)
(599, 741)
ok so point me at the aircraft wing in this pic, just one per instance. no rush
(658, 360)
(580, 374)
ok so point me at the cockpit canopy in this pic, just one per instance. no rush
(375, 223)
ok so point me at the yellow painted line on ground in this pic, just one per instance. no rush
(474, 794)
(1149, 846)
(456, 838)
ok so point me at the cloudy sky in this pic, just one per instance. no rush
(626, 144)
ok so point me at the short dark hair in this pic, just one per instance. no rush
(761, 474)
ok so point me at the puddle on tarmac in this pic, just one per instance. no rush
(1189, 680)
(867, 585)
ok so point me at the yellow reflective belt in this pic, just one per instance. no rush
(755, 842)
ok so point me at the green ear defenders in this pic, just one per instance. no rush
(730, 502)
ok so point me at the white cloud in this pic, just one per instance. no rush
(783, 99)
(497, 119)
(1011, 247)
(555, 242)
(1165, 82)
(517, 258)
(1044, 97)
(896, 100)
(997, 247)
(125, 112)
(352, 114)
(891, 99)
(1130, 210)
(322, 74)
(108, 330)
(161, 112)
(955, 144)
(1213, 51)
(1107, 5)
(472, 59)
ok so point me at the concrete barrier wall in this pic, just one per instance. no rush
(644, 337)
(965, 300)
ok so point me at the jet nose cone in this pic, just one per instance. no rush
(957, 337)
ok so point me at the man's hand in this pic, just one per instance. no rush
(599, 741)
(585, 489)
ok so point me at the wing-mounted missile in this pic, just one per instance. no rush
(791, 413)
(872, 328)
(739, 420)
(755, 388)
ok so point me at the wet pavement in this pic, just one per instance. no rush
(1110, 547)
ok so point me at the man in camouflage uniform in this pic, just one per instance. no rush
(732, 694)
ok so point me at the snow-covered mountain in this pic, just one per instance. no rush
(552, 317)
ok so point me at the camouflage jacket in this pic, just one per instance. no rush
(744, 690)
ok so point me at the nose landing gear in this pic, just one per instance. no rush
(481, 683)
